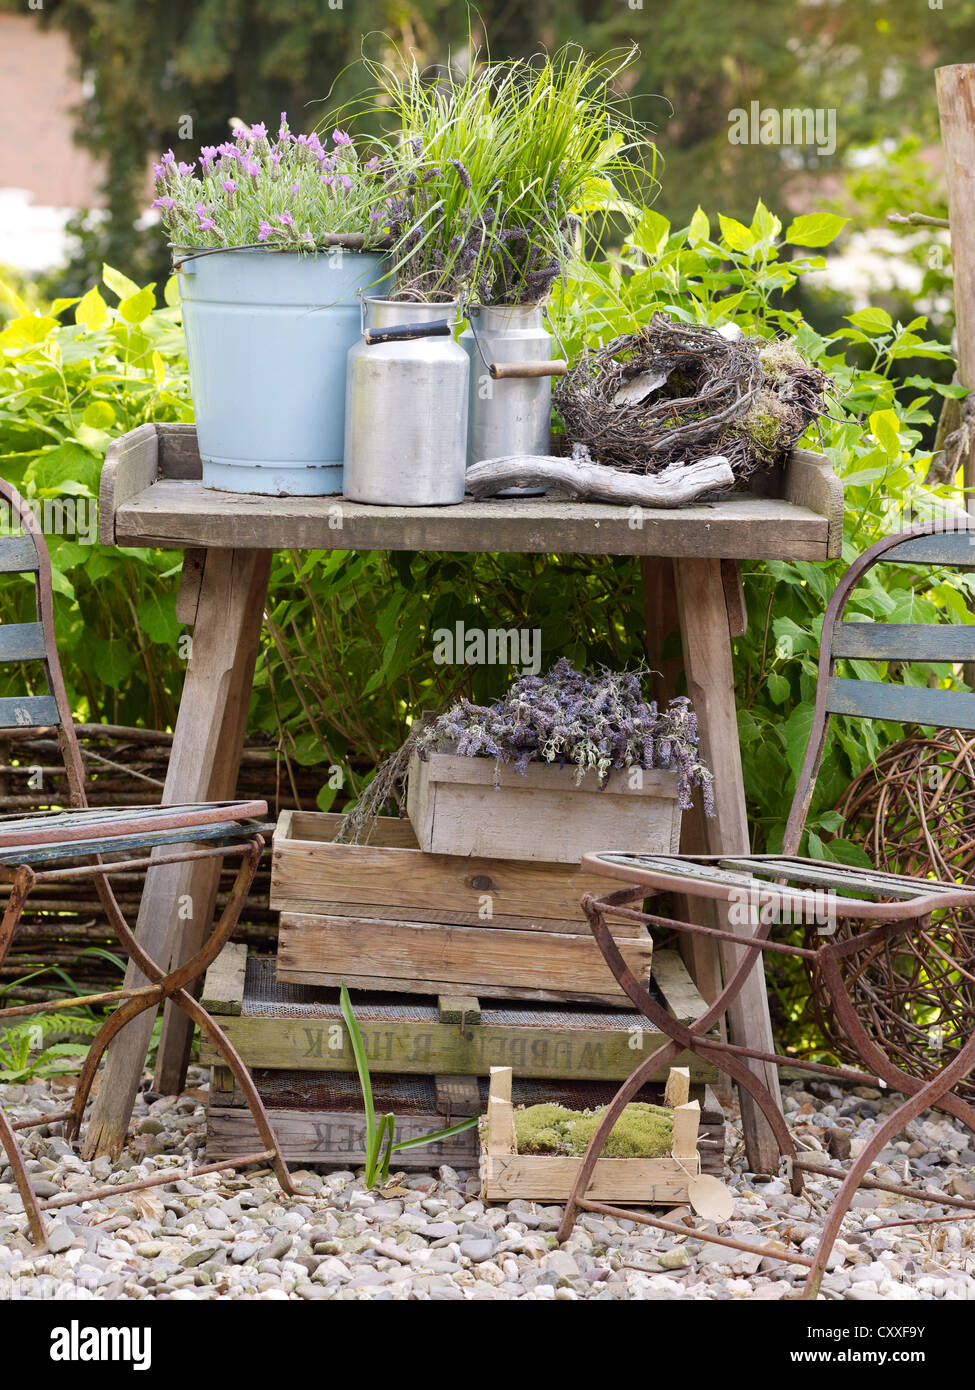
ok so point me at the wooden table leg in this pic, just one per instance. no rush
(177, 904)
(662, 622)
(704, 620)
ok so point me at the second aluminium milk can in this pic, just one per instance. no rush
(406, 407)
(510, 385)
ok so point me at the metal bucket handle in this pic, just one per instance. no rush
(405, 332)
(500, 371)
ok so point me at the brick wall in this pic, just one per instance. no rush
(39, 86)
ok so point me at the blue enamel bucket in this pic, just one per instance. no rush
(267, 338)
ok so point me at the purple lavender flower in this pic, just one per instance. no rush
(208, 154)
(259, 132)
(341, 138)
(264, 230)
(252, 168)
(346, 181)
(230, 185)
(165, 202)
(283, 128)
(169, 157)
(286, 219)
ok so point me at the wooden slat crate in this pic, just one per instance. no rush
(318, 1117)
(507, 1174)
(465, 806)
(387, 916)
(432, 1056)
(274, 1024)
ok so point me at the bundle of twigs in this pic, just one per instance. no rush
(675, 392)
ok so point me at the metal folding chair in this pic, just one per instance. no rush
(785, 888)
(51, 846)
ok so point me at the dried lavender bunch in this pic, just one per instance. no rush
(596, 721)
(593, 720)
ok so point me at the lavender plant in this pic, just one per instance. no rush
(294, 192)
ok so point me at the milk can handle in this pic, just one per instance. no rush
(439, 328)
(500, 370)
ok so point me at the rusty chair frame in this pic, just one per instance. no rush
(786, 887)
(64, 844)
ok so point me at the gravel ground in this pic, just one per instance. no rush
(428, 1236)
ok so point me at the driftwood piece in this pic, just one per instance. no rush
(675, 486)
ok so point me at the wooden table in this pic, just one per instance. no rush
(151, 495)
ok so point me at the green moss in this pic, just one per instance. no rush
(642, 1131)
(768, 424)
(779, 359)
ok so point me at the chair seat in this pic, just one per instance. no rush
(798, 887)
(50, 835)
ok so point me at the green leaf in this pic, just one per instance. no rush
(137, 307)
(157, 618)
(885, 428)
(794, 735)
(99, 415)
(735, 234)
(121, 284)
(91, 311)
(873, 321)
(171, 292)
(778, 687)
(842, 851)
(67, 462)
(362, 1067)
(437, 1135)
(699, 229)
(651, 232)
(815, 229)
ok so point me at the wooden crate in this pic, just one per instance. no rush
(388, 916)
(318, 1117)
(427, 957)
(467, 806)
(392, 879)
(506, 1174)
(430, 1060)
(276, 1025)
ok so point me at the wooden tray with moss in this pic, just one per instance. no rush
(536, 1152)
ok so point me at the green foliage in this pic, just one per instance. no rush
(72, 377)
(381, 1141)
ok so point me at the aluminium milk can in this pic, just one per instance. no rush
(510, 387)
(406, 407)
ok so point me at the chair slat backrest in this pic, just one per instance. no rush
(898, 643)
(25, 552)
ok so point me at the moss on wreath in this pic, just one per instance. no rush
(642, 1131)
